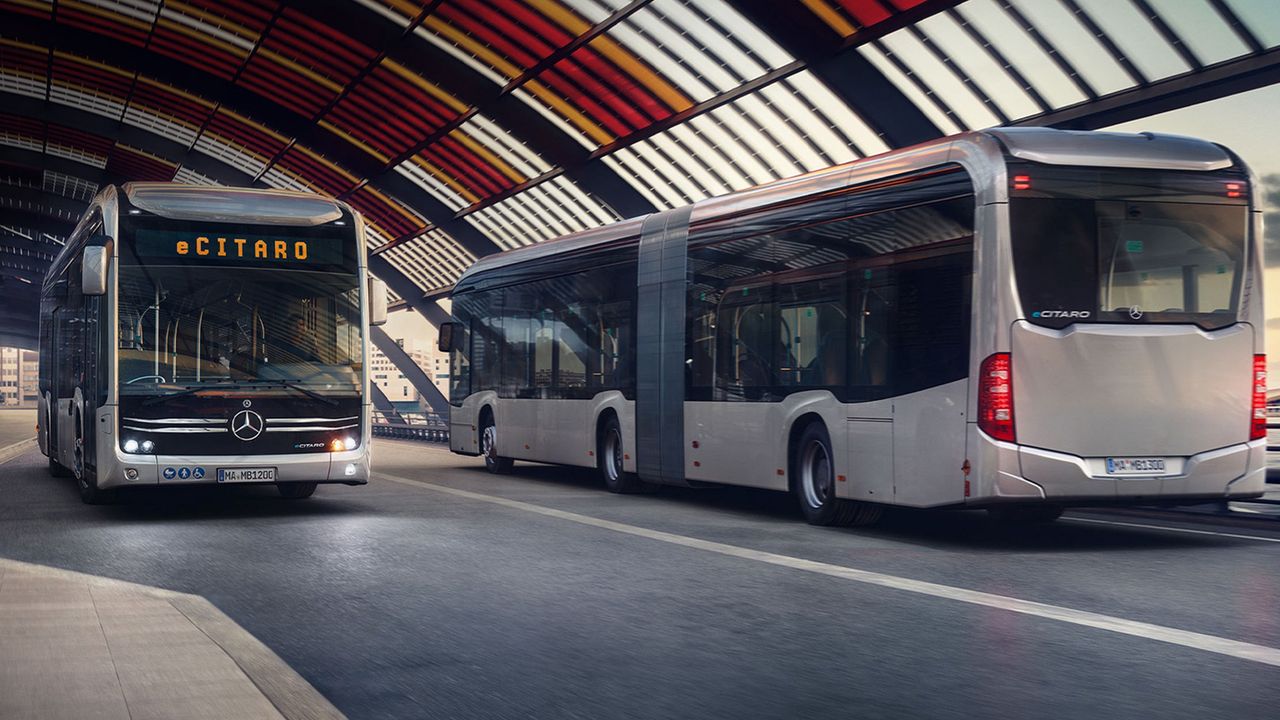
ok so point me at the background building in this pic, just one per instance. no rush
(19, 378)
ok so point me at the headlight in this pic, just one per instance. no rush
(131, 446)
(147, 446)
(349, 443)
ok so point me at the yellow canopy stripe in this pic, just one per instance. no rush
(830, 16)
(427, 86)
(570, 113)
(488, 155)
(353, 140)
(445, 179)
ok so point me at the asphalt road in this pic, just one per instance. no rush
(460, 594)
(16, 425)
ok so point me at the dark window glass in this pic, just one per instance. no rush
(813, 322)
(1124, 261)
(867, 302)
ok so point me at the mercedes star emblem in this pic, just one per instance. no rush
(246, 425)
(1135, 312)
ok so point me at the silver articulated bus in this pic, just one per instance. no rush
(208, 335)
(1017, 319)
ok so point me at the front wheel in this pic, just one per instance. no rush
(489, 449)
(296, 490)
(813, 471)
(609, 457)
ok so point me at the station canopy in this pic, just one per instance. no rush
(461, 128)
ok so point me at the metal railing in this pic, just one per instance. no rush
(424, 426)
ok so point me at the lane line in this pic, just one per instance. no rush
(1166, 528)
(1198, 641)
(9, 452)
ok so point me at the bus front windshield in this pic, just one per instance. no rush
(190, 324)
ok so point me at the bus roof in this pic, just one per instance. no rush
(1034, 144)
(227, 204)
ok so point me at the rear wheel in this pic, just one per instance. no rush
(296, 490)
(1026, 514)
(815, 486)
(609, 457)
(489, 449)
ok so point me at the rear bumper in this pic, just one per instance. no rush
(349, 467)
(1015, 473)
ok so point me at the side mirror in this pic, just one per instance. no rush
(95, 261)
(377, 302)
(447, 340)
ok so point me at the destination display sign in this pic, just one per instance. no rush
(199, 247)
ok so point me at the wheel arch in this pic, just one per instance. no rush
(797, 429)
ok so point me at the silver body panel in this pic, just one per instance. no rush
(925, 449)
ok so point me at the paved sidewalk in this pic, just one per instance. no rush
(82, 647)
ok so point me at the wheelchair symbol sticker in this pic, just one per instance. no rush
(184, 473)
(198, 473)
(169, 473)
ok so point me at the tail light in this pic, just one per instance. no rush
(995, 397)
(1258, 426)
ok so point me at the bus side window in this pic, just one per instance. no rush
(873, 311)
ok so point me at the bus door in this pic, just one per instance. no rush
(913, 348)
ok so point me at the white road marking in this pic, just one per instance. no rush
(1199, 641)
(1166, 528)
(9, 452)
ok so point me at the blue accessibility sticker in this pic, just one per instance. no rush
(169, 473)
(198, 473)
(184, 473)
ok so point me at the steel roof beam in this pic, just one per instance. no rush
(248, 104)
(1215, 81)
(845, 71)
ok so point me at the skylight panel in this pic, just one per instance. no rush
(951, 90)
(1201, 28)
(1077, 45)
(910, 88)
(974, 62)
(995, 25)
(1134, 34)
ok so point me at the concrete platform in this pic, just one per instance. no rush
(79, 646)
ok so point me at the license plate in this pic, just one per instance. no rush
(1135, 466)
(238, 475)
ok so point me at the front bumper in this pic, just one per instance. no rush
(1013, 473)
(327, 467)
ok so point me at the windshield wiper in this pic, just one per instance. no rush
(286, 384)
(297, 385)
(190, 390)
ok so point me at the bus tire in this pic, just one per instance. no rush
(296, 490)
(815, 485)
(489, 448)
(1026, 514)
(57, 470)
(609, 457)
